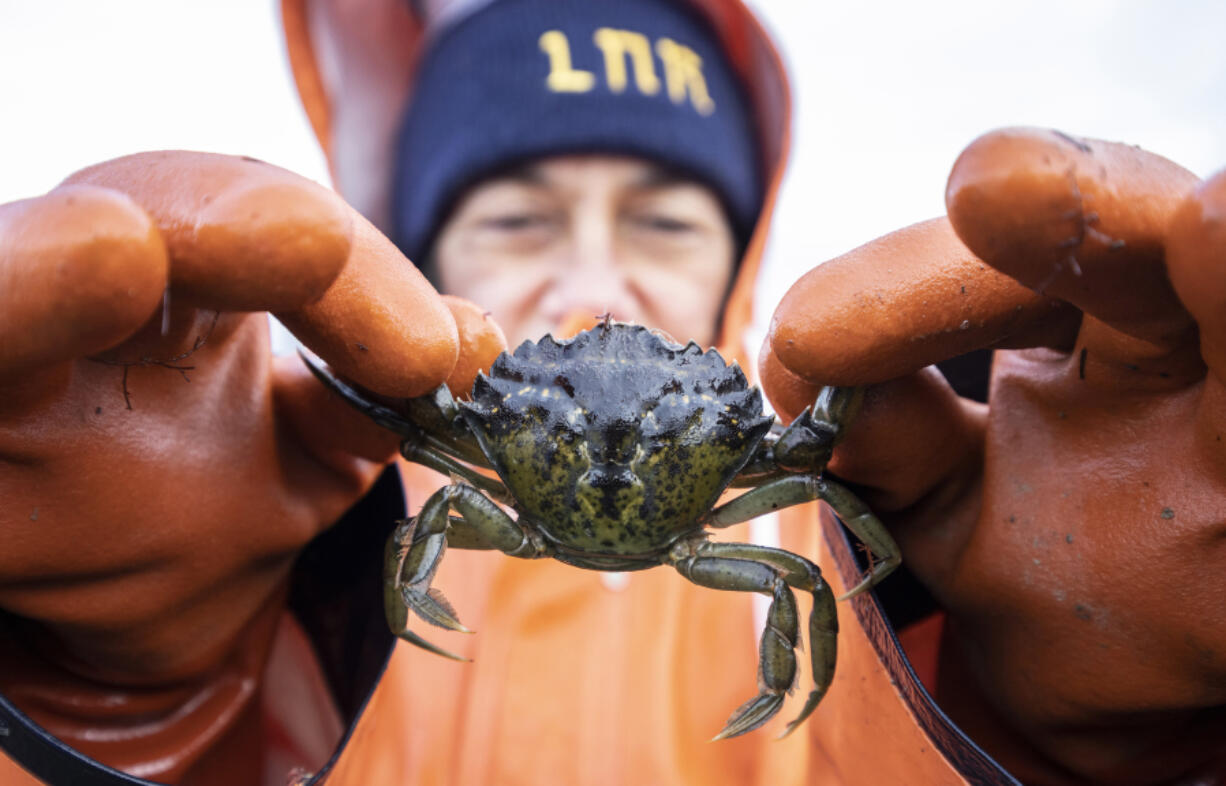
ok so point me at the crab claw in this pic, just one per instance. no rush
(751, 715)
(406, 552)
(413, 638)
(432, 607)
(749, 568)
(776, 664)
(811, 704)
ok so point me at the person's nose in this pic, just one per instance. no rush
(593, 279)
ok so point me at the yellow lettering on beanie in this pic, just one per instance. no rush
(683, 74)
(682, 67)
(562, 78)
(616, 44)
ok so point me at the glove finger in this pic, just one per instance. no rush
(481, 341)
(902, 302)
(913, 439)
(1196, 259)
(1077, 219)
(242, 235)
(334, 432)
(911, 435)
(788, 393)
(380, 324)
(81, 269)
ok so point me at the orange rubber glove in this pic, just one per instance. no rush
(1074, 529)
(159, 469)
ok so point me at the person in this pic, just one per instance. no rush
(503, 240)
(526, 613)
(569, 203)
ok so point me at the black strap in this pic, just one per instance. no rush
(970, 761)
(335, 592)
(47, 758)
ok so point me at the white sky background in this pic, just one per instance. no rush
(886, 94)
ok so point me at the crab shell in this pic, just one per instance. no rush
(617, 441)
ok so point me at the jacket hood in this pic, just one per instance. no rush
(353, 62)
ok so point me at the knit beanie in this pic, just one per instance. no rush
(519, 80)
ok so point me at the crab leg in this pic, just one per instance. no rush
(467, 451)
(803, 575)
(865, 525)
(410, 561)
(798, 489)
(776, 660)
(461, 535)
(428, 424)
(445, 464)
(437, 416)
(761, 466)
(416, 548)
(838, 406)
(384, 416)
(808, 442)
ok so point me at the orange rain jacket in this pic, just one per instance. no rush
(576, 676)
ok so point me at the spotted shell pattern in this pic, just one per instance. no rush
(616, 441)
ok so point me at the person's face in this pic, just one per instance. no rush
(581, 236)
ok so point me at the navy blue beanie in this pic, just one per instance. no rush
(524, 79)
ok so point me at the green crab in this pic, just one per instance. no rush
(612, 450)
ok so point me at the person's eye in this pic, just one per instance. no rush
(516, 222)
(660, 222)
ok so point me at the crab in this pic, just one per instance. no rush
(612, 450)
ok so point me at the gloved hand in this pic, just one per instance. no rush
(1073, 529)
(159, 469)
